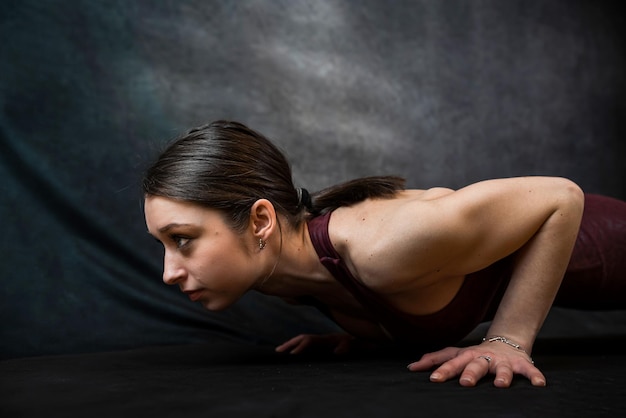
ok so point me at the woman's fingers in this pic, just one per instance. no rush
(531, 373)
(458, 365)
(505, 372)
(504, 375)
(295, 345)
(430, 360)
(472, 364)
(475, 370)
(343, 346)
(285, 346)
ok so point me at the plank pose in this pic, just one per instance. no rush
(419, 267)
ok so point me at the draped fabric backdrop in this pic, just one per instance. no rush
(442, 92)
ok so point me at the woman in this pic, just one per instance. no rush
(420, 267)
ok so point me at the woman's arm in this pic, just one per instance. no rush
(473, 227)
(538, 220)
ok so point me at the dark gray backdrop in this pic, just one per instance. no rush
(442, 92)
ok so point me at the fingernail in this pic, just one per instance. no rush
(435, 376)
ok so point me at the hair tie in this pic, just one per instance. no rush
(304, 198)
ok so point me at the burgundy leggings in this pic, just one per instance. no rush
(596, 276)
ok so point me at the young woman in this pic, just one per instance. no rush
(419, 267)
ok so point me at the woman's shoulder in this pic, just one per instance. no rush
(374, 214)
(428, 194)
(399, 198)
(371, 236)
(371, 215)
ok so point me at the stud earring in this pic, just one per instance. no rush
(261, 244)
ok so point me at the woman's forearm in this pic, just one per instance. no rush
(539, 268)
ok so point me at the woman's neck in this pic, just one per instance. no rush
(298, 271)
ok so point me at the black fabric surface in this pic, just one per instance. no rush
(585, 379)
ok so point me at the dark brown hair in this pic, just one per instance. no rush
(228, 166)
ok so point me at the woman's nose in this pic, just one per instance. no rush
(172, 272)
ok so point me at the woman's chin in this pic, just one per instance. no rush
(214, 305)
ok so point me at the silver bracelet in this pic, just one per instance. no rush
(508, 342)
(505, 341)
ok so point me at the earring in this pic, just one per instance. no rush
(261, 244)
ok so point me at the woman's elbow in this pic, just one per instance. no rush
(571, 198)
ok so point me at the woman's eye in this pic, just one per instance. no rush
(181, 242)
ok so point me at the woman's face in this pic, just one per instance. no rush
(209, 261)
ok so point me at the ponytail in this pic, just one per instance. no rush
(354, 191)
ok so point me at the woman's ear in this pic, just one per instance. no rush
(263, 219)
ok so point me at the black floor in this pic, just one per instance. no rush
(586, 378)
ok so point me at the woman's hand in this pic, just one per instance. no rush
(475, 362)
(338, 343)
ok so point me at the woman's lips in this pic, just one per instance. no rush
(194, 295)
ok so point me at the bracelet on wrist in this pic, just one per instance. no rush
(499, 338)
